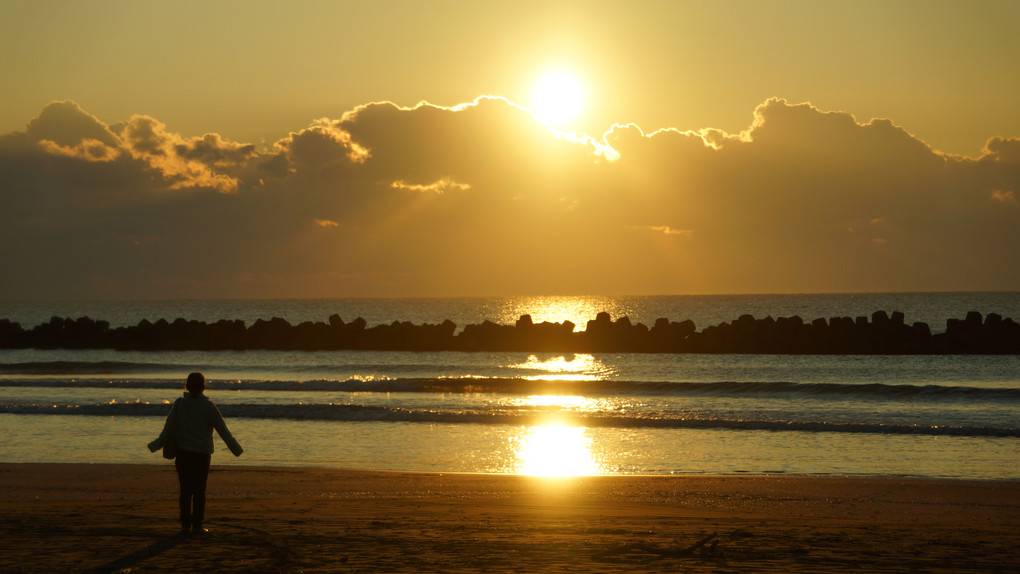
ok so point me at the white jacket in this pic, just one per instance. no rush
(195, 419)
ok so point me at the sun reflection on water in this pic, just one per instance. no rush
(561, 401)
(558, 405)
(577, 310)
(555, 450)
(578, 367)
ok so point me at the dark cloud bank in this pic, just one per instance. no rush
(482, 199)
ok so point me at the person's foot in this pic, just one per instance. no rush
(182, 534)
(199, 531)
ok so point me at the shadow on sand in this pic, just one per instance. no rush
(126, 562)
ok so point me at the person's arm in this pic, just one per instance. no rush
(161, 440)
(221, 427)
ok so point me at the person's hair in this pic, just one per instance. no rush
(196, 383)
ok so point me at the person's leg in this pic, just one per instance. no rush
(201, 476)
(183, 477)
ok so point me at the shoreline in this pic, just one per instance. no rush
(121, 517)
(226, 463)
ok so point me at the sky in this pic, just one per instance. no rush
(154, 150)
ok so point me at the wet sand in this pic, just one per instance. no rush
(122, 518)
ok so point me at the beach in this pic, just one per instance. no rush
(122, 518)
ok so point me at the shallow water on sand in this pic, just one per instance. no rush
(538, 450)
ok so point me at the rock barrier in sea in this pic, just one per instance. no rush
(881, 334)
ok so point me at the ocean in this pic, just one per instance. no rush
(954, 416)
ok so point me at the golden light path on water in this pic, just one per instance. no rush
(555, 449)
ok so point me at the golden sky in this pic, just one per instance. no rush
(317, 149)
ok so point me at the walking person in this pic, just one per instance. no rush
(191, 422)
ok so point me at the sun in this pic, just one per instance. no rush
(558, 98)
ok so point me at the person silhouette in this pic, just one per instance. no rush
(192, 420)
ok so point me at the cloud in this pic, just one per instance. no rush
(172, 161)
(482, 198)
(439, 186)
(1003, 196)
(205, 162)
(665, 230)
(66, 124)
(86, 149)
(321, 143)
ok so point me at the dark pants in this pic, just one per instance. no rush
(192, 472)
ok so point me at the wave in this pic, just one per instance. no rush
(517, 386)
(85, 367)
(365, 413)
(80, 368)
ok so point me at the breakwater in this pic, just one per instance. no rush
(881, 333)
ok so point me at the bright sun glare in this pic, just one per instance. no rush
(556, 451)
(558, 98)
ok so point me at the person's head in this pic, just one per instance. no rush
(196, 384)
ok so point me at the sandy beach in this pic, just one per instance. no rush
(122, 518)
